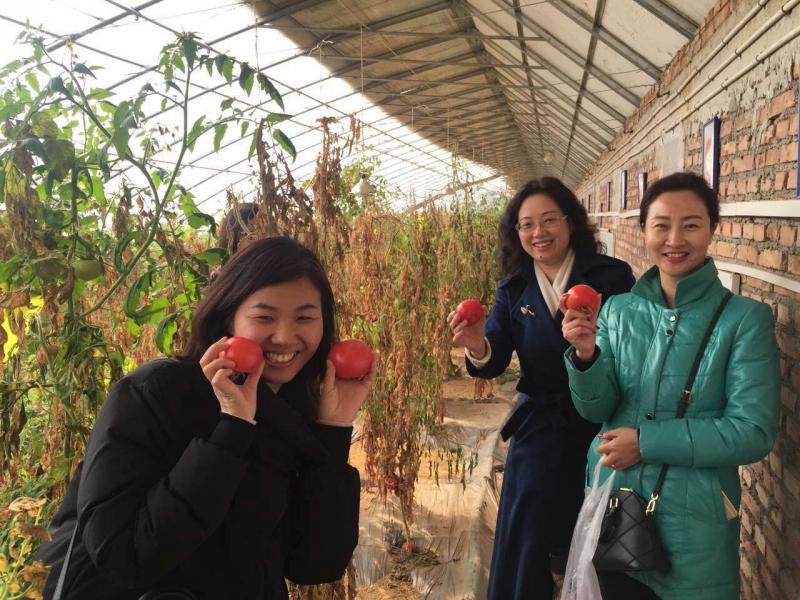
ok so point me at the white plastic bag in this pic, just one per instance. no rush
(580, 579)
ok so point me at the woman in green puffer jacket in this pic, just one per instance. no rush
(627, 371)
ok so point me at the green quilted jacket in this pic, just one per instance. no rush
(646, 351)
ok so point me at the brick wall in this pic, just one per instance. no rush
(758, 163)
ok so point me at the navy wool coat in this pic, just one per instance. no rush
(545, 469)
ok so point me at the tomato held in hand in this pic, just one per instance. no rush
(582, 297)
(245, 353)
(351, 358)
(470, 311)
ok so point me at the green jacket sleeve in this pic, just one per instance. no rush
(595, 391)
(746, 431)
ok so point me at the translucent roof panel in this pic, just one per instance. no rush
(126, 43)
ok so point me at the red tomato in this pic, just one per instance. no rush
(351, 358)
(470, 311)
(245, 353)
(582, 297)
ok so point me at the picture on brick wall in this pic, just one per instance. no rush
(711, 152)
(623, 191)
(641, 185)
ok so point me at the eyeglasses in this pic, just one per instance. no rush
(548, 223)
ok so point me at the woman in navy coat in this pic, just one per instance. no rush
(546, 246)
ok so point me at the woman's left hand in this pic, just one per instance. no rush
(620, 448)
(341, 398)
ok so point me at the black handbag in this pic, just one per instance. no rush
(629, 539)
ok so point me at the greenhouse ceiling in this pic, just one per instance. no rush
(514, 88)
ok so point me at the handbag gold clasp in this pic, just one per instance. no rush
(613, 503)
(651, 506)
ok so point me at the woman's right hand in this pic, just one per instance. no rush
(236, 400)
(580, 330)
(472, 337)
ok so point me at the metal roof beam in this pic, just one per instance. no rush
(440, 63)
(671, 16)
(553, 70)
(571, 55)
(368, 31)
(609, 39)
(552, 90)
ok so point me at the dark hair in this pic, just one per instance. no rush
(234, 223)
(678, 182)
(512, 256)
(267, 261)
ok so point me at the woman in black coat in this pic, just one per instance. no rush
(201, 479)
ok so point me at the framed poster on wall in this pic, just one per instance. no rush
(641, 185)
(623, 190)
(710, 164)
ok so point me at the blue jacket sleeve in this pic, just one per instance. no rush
(498, 332)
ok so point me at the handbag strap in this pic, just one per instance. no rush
(686, 394)
(62, 576)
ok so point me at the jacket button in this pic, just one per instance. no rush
(673, 318)
(649, 416)
(669, 332)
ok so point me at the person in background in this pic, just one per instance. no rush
(546, 245)
(218, 484)
(627, 369)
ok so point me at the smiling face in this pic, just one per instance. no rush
(285, 319)
(544, 231)
(677, 233)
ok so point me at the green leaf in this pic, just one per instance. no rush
(174, 86)
(33, 81)
(186, 203)
(227, 70)
(35, 146)
(246, 78)
(102, 159)
(219, 133)
(165, 332)
(84, 70)
(226, 104)
(199, 220)
(285, 143)
(99, 94)
(121, 112)
(209, 67)
(140, 286)
(219, 62)
(196, 131)
(57, 85)
(245, 126)
(274, 118)
(9, 268)
(189, 45)
(42, 124)
(119, 249)
(153, 312)
(178, 62)
(212, 256)
(120, 141)
(268, 87)
(253, 143)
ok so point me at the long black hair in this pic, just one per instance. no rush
(510, 253)
(264, 262)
